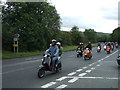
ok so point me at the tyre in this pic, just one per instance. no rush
(118, 62)
(41, 73)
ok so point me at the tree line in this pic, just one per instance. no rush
(38, 23)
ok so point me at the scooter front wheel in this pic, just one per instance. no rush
(41, 73)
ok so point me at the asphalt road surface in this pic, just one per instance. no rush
(102, 71)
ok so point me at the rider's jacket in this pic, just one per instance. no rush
(89, 46)
(53, 50)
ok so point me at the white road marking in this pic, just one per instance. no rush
(98, 65)
(90, 64)
(62, 78)
(99, 61)
(82, 74)
(79, 70)
(111, 78)
(92, 68)
(88, 71)
(72, 73)
(62, 86)
(73, 80)
(84, 67)
(48, 85)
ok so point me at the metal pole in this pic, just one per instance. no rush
(14, 47)
(17, 47)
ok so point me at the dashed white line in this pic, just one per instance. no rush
(79, 70)
(98, 65)
(84, 67)
(48, 85)
(82, 74)
(62, 86)
(73, 80)
(72, 73)
(88, 71)
(92, 68)
(60, 79)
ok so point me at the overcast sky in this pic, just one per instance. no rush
(101, 15)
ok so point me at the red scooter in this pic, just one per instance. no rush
(108, 50)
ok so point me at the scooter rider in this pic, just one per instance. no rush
(81, 46)
(99, 45)
(60, 52)
(89, 46)
(54, 51)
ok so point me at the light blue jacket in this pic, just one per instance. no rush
(53, 50)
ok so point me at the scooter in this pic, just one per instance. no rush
(98, 49)
(79, 52)
(108, 50)
(118, 59)
(87, 54)
(46, 66)
(105, 47)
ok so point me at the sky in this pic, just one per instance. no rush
(100, 15)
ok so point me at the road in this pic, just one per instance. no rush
(102, 71)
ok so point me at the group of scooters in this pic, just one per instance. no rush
(87, 55)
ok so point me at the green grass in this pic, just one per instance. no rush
(10, 55)
(69, 48)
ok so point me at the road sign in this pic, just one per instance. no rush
(15, 39)
(15, 45)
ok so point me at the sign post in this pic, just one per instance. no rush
(15, 44)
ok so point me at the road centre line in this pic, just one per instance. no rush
(72, 73)
(88, 71)
(98, 65)
(73, 80)
(62, 86)
(79, 70)
(82, 74)
(48, 85)
(84, 67)
(62, 78)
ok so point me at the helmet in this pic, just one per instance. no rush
(89, 42)
(87, 48)
(54, 40)
(80, 43)
(58, 43)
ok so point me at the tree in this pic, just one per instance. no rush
(91, 35)
(77, 36)
(115, 36)
(36, 22)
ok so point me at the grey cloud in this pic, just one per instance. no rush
(78, 21)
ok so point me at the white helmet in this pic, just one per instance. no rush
(58, 43)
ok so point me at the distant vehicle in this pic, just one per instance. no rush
(98, 49)
(108, 50)
(79, 52)
(118, 58)
(46, 65)
(105, 47)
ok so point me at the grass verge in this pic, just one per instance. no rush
(10, 55)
